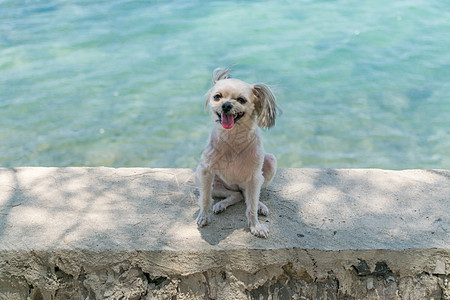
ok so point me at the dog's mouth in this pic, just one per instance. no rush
(228, 120)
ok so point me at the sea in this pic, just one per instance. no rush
(361, 84)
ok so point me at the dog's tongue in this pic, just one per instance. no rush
(227, 121)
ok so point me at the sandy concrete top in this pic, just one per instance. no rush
(155, 209)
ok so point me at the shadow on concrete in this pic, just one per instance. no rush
(155, 209)
(93, 207)
(98, 230)
(366, 209)
(345, 209)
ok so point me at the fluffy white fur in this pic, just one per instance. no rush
(233, 165)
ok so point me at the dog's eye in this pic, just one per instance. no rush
(217, 97)
(241, 100)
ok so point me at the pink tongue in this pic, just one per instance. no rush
(227, 121)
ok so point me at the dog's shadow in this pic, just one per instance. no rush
(224, 224)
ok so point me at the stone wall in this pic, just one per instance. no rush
(102, 233)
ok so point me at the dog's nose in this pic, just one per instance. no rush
(226, 107)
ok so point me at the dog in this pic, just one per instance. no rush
(234, 165)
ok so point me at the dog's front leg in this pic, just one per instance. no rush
(205, 179)
(251, 194)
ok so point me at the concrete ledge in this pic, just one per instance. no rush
(102, 233)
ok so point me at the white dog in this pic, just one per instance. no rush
(233, 165)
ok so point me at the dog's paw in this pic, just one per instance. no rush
(262, 209)
(260, 230)
(219, 207)
(203, 219)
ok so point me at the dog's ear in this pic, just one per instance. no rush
(266, 105)
(219, 74)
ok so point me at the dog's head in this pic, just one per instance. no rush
(233, 101)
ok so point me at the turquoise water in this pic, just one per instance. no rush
(121, 84)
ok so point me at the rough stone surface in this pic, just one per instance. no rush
(102, 233)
